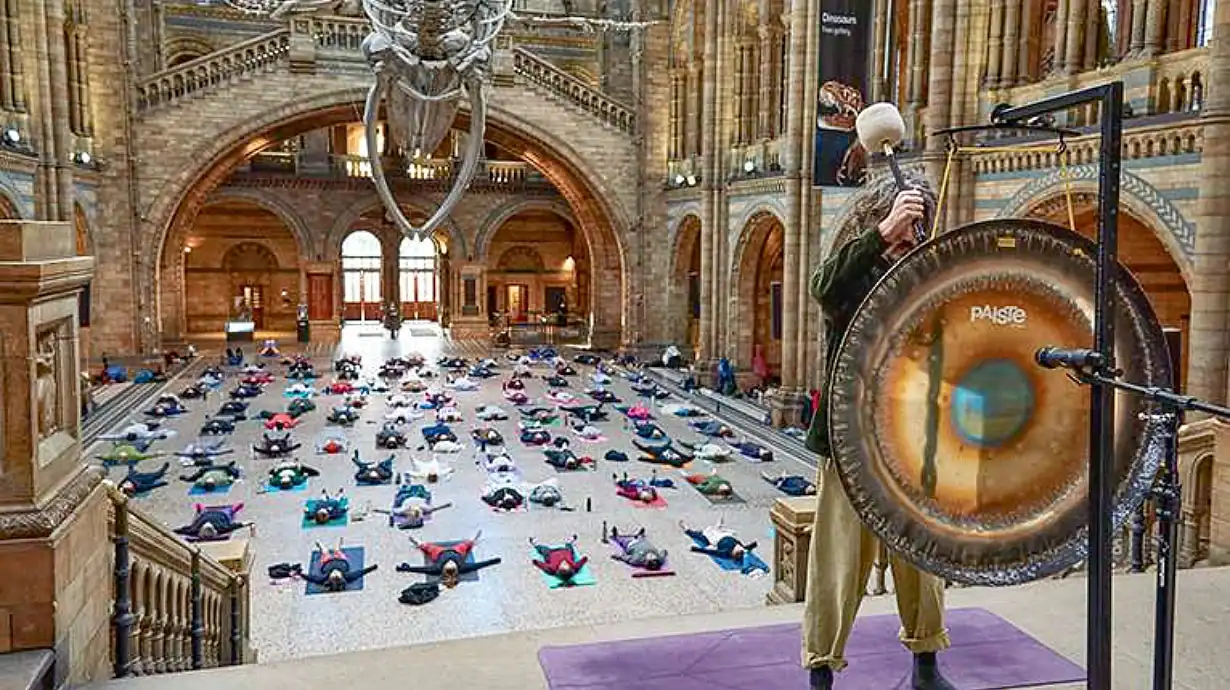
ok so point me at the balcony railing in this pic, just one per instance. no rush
(278, 167)
(175, 608)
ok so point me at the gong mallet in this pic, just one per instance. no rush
(880, 127)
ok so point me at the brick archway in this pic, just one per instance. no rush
(684, 272)
(593, 203)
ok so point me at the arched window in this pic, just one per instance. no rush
(361, 276)
(417, 264)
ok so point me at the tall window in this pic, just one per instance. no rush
(358, 161)
(417, 261)
(361, 275)
(1204, 32)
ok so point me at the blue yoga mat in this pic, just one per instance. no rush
(583, 577)
(354, 554)
(277, 489)
(751, 562)
(220, 491)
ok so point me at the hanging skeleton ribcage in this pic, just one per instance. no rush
(429, 55)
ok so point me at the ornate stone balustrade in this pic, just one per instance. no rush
(570, 89)
(765, 158)
(213, 71)
(166, 581)
(353, 172)
(1162, 139)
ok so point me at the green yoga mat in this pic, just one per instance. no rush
(581, 579)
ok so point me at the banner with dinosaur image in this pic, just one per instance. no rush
(845, 60)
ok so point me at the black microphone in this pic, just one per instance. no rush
(1058, 357)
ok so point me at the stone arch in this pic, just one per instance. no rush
(249, 256)
(1140, 198)
(274, 204)
(758, 211)
(502, 213)
(521, 258)
(684, 259)
(187, 47)
(353, 213)
(761, 237)
(9, 210)
(594, 202)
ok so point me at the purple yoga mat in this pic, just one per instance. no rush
(988, 653)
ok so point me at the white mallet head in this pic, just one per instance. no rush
(879, 124)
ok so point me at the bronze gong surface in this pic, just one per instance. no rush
(954, 446)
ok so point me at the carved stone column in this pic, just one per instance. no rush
(792, 522)
(1060, 45)
(1155, 26)
(1210, 283)
(879, 49)
(768, 90)
(1011, 49)
(709, 151)
(939, 86)
(1078, 15)
(995, 44)
(916, 55)
(1137, 41)
(54, 551)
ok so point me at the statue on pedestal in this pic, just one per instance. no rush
(46, 388)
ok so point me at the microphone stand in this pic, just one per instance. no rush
(1167, 497)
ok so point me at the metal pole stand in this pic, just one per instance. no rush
(1167, 496)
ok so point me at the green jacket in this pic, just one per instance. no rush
(840, 285)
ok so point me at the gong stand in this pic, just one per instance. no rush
(1109, 98)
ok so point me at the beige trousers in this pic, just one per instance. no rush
(838, 567)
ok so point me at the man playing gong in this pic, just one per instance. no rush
(842, 549)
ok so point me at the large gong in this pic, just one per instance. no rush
(956, 449)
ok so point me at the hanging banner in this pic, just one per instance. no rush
(845, 58)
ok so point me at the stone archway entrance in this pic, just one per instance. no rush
(757, 282)
(685, 285)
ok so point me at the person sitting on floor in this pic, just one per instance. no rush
(717, 540)
(449, 562)
(560, 562)
(791, 485)
(335, 573)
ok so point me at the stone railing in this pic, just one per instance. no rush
(275, 169)
(1163, 139)
(572, 90)
(218, 69)
(175, 608)
(1181, 79)
(342, 35)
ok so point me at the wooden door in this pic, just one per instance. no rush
(517, 302)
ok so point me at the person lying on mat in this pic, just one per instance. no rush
(567, 461)
(212, 477)
(635, 489)
(560, 562)
(291, 473)
(661, 454)
(503, 497)
(636, 550)
(717, 540)
(711, 485)
(327, 508)
(212, 522)
(335, 573)
(447, 562)
(790, 484)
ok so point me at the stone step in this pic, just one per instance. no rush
(32, 670)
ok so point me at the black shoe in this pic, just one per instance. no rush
(927, 674)
(821, 678)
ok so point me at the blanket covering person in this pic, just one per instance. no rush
(880, 227)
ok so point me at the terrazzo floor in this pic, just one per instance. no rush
(508, 597)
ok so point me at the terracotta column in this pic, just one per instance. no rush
(1060, 45)
(939, 86)
(995, 44)
(1155, 26)
(878, 85)
(1137, 44)
(1029, 41)
(1013, 31)
(1210, 284)
(917, 53)
(12, 86)
(708, 150)
(1078, 17)
(54, 550)
(768, 83)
